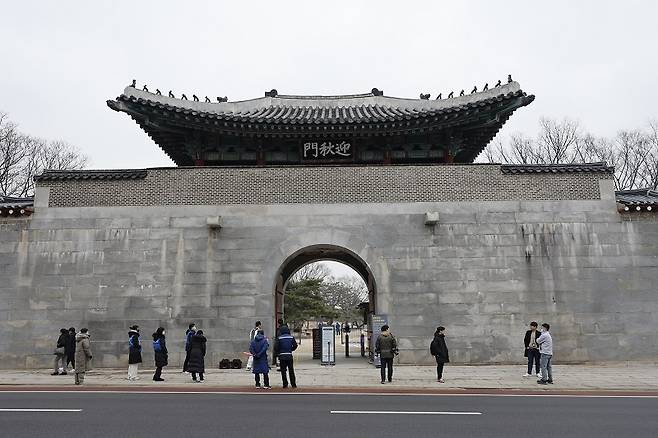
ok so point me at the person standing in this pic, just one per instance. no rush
(252, 335)
(160, 352)
(337, 328)
(70, 350)
(279, 325)
(532, 349)
(439, 350)
(545, 342)
(258, 350)
(196, 363)
(284, 345)
(82, 355)
(191, 330)
(60, 352)
(386, 346)
(134, 352)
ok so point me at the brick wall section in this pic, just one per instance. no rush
(324, 185)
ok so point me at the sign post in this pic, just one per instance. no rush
(328, 346)
(376, 322)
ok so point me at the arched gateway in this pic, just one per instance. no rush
(316, 253)
(386, 185)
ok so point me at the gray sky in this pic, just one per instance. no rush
(60, 61)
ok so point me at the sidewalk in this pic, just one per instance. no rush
(355, 373)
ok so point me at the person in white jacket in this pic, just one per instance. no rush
(545, 342)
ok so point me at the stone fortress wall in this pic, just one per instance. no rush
(508, 248)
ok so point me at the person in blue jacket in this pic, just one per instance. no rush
(284, 345)
(258, 350)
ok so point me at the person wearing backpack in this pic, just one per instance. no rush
(439, 350)
(161, 353)
(134, 352)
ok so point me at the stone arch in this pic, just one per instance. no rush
(320, 252)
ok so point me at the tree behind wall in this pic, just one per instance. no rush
(633, 153)
(23, 156)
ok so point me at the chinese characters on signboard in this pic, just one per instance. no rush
(327, 150)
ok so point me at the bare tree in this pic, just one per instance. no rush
(312, 271)
(634, 153)
(344, 295)
(22, 157)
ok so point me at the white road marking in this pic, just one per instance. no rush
(387, 394)
(40, 410)
(408, 412)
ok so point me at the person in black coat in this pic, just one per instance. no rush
(532, 349)
(196, 363)
(439, 350)
(161, 353)
(70, 349)
(60, 352)
(134, 352)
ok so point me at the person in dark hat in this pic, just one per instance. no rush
(439, 350)
(387, 348)
(196, 363)
(134, 352)
(191, 330)
(160, 352)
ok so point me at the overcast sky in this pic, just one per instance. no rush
(60, 61)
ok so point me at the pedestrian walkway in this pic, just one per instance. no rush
(356, 373)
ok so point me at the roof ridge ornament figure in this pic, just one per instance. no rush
(158, 92)
(475, 89)
(207, 100)
(145, 88)
(498, 83)
(171, 94)
(451, 95)
(377, 92)
(439, 97)
(509, 79)
(195, 98)
(271, 93)
(461, 93)
(486, 87)
(222, 99)
(134, 84)
(424, 96)
(183, 96)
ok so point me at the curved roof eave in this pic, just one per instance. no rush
(369, 99)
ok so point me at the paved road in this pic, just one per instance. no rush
(163, 415)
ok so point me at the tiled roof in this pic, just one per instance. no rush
(349, 109)
(637, 198)
(12, 206)
(557, 168)
(59, 175)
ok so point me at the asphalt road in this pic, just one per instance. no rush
(269, 415)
